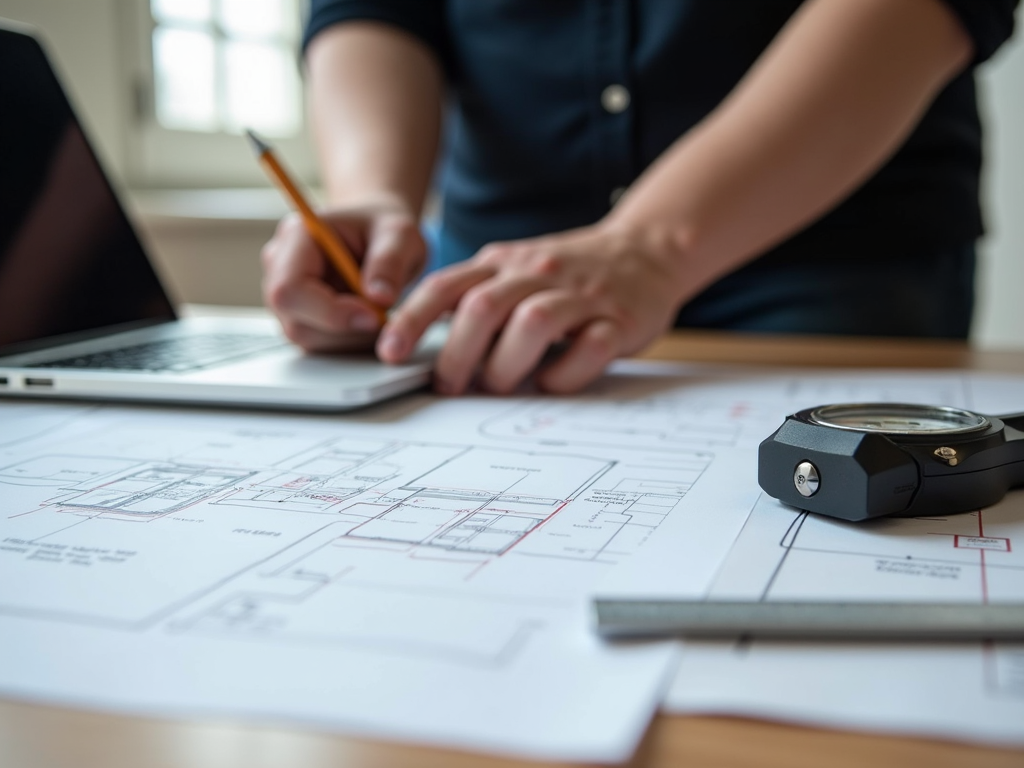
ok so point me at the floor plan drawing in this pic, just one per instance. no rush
(457, 498)
(91, 485)
(368, 505)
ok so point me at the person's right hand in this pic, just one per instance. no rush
(316, 309)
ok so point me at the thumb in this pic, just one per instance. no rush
(394, 255)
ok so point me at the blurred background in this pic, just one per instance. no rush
(164, 88)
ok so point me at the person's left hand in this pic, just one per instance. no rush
(602, 290)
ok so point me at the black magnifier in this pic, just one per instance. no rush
(858, 461)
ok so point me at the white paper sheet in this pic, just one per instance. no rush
(968, 691)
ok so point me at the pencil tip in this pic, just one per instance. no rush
(258, 145)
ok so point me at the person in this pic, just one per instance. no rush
(614, 167)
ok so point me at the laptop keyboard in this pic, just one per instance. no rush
(177, 355)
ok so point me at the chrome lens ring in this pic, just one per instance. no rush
(898, 418)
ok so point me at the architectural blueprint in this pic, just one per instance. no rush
(420, 570)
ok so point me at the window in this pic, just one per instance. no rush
(224, 65)
(206, 70)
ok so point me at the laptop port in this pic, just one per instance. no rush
(34, 382)
(3, 381)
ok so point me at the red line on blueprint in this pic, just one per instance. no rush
(502, 554)
(988, 650)
(475, 571)
(984, 580)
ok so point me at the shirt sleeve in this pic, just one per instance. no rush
(988, 22)
(424, 19)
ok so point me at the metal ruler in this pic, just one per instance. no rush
(809, 620)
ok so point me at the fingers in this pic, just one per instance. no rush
(300, 287)
(607, 294)
(294, 287)
(524, 315)
(482, 312)
(395, 256)
(538, 322)
(591, 351)
(438, 293)
(510, 304)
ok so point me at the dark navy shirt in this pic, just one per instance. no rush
(559, 104)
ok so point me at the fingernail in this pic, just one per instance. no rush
(364, 321)
(381, 289)
(391, 346)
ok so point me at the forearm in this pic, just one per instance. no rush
(830, 100)
(377, 96)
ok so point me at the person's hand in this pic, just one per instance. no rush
(316, 309)
(602, 290)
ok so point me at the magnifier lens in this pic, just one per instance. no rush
(898, 418)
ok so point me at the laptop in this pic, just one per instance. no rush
(82, 311)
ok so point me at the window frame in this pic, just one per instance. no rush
(158, 157)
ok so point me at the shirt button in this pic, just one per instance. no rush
(613, 198)
(615, 99)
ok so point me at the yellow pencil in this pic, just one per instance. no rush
(322, 234)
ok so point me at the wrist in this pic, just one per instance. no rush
(670, 246)
(701, 243)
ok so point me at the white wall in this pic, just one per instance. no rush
(84, 41)
(999, 320)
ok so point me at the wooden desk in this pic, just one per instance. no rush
(33, 736)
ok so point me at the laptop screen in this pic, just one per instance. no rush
(70, 262)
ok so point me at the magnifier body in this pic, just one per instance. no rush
(858, 461)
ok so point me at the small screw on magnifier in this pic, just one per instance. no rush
(806, 478)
